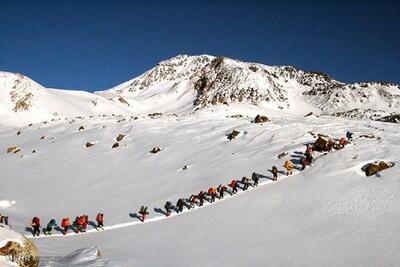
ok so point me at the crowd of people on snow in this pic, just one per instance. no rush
(81, 222)
(79, 225)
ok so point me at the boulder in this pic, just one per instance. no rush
(282, 155)
(13, 149)
(375, 167)
(308, 114)
(120, 137)
(81, 128)
(115, 145)
(19, 132)
(261, 119)
(233, 134)
(155, 149)
(155, 114)
(370, 136)
(323, 143)
(18, 250)
(89, 144)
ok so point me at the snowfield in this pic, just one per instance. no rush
(57, 159)
(330, 214)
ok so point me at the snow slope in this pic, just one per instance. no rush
(23, 101)
(328, 215)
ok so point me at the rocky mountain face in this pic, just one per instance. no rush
(188, 83)
(220, 80)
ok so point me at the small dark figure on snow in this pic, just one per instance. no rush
(245, 182)
(187, 204)
(233, 185)
(193, 200)
(36, 226)
(168, 207)
(303, 162)
(275, 173)
(255, 178)
(309, 158)
(100, 220)
(52, 223)
(179, 205)
(349, 136)
(4, 219)
(221, 189)
(201, 197)
(143, 211)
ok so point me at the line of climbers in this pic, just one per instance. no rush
(79, 225)
(81, 222)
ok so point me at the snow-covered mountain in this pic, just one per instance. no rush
(199, 81)
(186, 84)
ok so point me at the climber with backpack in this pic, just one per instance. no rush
(274, 171)
(212, 192)
(168, 207)
(79, 222)
(349, 136)
(36, 226)
(143, 212)
(255, 178)
(193, 200)
(65, 224)
(221, 189)
(201, 196)
(288, 166)
(245, 182)
(100, 220)
(4, 219)
(179, 205)
(233, 185)
(49, 228)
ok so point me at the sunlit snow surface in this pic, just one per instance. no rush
(331, 214)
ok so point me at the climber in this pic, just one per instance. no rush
(100, 220)
(303, 162)
(36, 226)
(221, 189)
(85, 222)
(168, 207)
(342, 142)
(65, 224)
(143, 212)
(193, 200)
(288, 166)
(79, 222)
(201, 197)
(233, 185)
(4, 219)
(274, 171)
(349, 136)
(179, 205)
(212, 192)
(255, 178)
(52, 223)
(246, 182)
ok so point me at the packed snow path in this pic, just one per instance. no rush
(163, 217)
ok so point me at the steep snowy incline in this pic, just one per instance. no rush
(329, 214)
